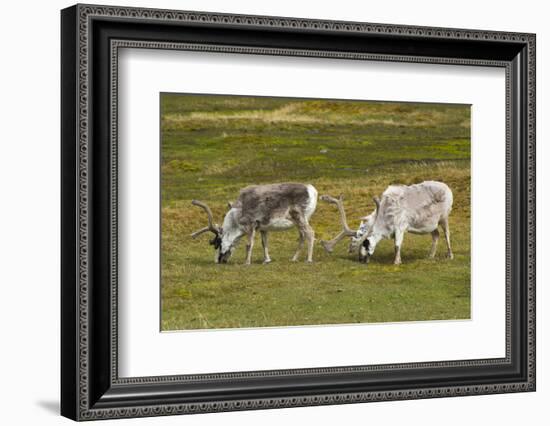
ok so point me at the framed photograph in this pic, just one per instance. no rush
(263, 212)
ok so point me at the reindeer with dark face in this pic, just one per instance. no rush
(272, 207)
(417, 209)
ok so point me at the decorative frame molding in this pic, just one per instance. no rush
(91, 388)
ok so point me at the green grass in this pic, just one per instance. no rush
(212, 146)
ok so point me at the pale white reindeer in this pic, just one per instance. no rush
(418, 209)
(271, 207)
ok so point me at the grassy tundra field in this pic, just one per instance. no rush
(212, 146)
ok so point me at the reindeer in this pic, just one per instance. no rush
(272, 207)
(418, 209)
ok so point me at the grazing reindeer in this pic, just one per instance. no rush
(418, 209)
(273, 207)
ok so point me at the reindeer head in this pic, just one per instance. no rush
(364, 228)
(223, 250)
(367, 242)
(357, 238)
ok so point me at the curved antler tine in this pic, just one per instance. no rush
(340, 205)
(377, 202)
(212, 227)
(346, 231)
(200, 231)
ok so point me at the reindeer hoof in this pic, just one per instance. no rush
(450, 256)
(266, 261)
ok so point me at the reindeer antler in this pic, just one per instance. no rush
(377, 202)
(346, 231)
(212, 227)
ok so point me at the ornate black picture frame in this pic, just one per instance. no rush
(91, 37)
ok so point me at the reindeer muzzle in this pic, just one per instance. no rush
(224, 257)
(364, 258)
(364, 255)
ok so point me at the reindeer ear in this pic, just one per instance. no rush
(229, 205)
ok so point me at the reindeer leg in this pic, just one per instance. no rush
(250, 245)
(447, 232)
(300, 245)
(310, 237)
(267, 259)
(435, 239)
(306, 232)
(398, 238)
